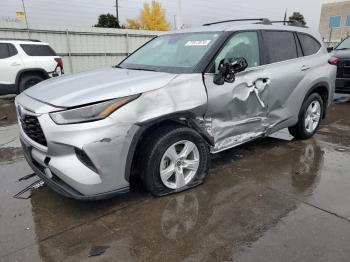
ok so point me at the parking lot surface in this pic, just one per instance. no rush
(274, 199)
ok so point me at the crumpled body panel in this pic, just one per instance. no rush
(236, 112)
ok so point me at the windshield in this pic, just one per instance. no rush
(344, 45)
(178, 53)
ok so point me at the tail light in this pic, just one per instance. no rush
(333, 61)
(59, 62)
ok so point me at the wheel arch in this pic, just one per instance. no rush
(184, 118)
(322, 88)
(30, 71)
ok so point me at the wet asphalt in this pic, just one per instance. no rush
(274, 199)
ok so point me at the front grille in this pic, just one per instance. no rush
(343, 69)
(32, 129)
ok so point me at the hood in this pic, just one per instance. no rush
(341, 54)
(98, 85)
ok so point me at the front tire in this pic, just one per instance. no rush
(175, 158)
(309, 117)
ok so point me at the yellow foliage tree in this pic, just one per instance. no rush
(133, 24)
(152, 17)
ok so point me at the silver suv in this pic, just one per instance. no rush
(159, 113)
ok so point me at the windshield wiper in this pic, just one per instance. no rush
(131, 68)
(140, 69)
(344, 48)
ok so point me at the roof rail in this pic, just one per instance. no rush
(290, 23)
(20, 39)
(264, 21)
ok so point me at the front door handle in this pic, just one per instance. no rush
(259, 86)
(261, 83)
(305, 68)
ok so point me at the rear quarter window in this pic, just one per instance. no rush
(38, 50)
(309, 44)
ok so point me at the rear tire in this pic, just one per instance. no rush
(175, 158)
(309, 117)
(29, 81)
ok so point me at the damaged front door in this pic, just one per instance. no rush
(237, 112)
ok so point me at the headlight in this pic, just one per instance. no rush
(91, 112)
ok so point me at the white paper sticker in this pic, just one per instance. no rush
(198, 43)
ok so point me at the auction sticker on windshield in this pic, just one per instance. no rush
(198, 43)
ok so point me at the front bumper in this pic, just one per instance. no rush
(58, 185)
(106, 143)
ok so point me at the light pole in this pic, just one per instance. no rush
(25, 17)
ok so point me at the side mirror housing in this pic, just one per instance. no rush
(228, 68)
(330, 49)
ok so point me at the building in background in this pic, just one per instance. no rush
(335, 22)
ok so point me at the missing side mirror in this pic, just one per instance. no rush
(228, 68)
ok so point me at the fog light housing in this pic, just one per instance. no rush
(85, 159)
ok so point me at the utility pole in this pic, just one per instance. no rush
(117, 11)
(330, 37)
(178, 15)
(25, 17)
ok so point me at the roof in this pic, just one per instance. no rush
(22, 41)
(336, 4)
(239, 26)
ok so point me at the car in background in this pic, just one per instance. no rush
(24, 63)
(342, 55)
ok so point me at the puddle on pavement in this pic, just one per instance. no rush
(252, 205)
(9, 143)
(7, 111)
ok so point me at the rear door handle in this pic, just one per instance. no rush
(15, 64)
(305, 68)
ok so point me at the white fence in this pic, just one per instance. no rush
(82, 48)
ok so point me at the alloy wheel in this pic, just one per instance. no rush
(179, 164)
(312, 116)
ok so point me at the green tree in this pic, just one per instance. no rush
(107, 21)
(152, 17)
(297, 16)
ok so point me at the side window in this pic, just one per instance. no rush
(7, 50)
(309, 44)
(38, 50)
(245, 44)
(12, 50)
(280, 45)
(4, 51)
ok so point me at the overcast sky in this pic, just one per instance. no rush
(194, 12)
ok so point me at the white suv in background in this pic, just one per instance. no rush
(24, 63)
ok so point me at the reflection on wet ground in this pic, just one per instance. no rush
(270, 200)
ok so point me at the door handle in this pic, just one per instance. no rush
(305, 68)
(15, 64)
